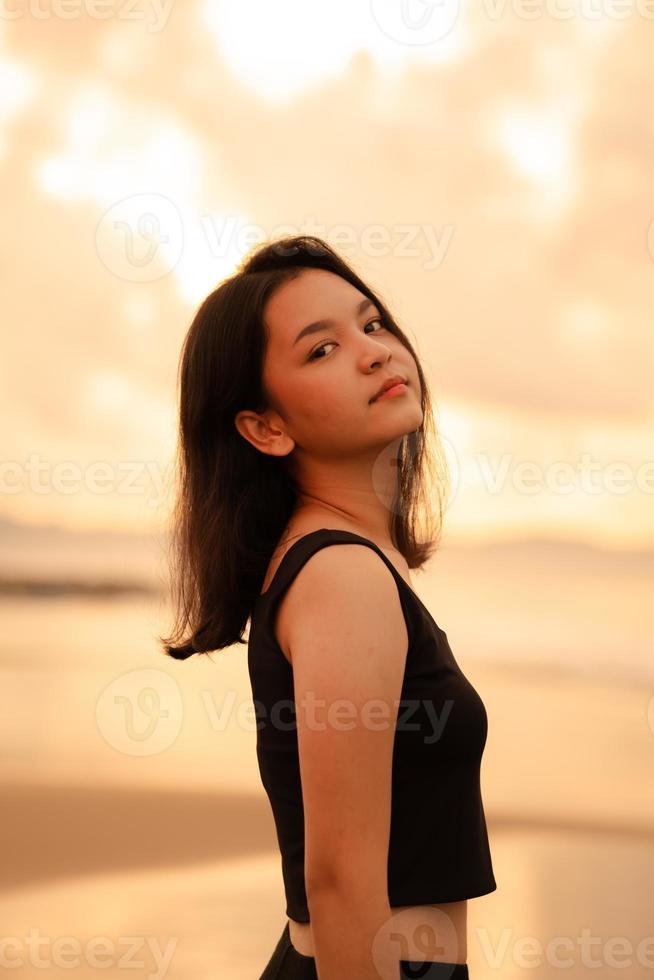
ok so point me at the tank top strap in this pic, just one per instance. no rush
(300, 552)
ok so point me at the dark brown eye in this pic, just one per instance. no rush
(312, 356)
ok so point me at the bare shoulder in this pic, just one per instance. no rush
(342, 588)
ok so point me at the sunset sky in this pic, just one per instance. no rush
(488, 172)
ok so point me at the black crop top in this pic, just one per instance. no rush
(438, 848)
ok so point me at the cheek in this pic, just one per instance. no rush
(316, 408)
(328, 401)
(306, 404)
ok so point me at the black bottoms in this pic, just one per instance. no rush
(286, 963)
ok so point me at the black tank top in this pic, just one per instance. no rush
(438, 848)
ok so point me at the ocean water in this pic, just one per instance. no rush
(85, 681)
(87, 693)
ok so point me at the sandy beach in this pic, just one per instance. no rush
(148, 887)
(194, 875)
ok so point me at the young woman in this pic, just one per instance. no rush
(306, 494)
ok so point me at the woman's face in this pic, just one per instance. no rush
(323, 379)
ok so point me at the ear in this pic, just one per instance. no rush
(265, 432)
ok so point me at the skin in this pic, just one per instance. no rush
(322, 415)
(341, 449)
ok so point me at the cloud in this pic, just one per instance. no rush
(538, 304)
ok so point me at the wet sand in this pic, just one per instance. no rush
(154, 877)
(54, 832)
(179, 847)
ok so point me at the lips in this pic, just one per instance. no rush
(389, 383)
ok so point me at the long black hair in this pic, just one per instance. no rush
(233, 502)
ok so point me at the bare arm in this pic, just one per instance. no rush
(348, 642)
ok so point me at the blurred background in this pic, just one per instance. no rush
(488, 169)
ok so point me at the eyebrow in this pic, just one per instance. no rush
(323, 324)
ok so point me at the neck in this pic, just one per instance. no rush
(357, 491)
